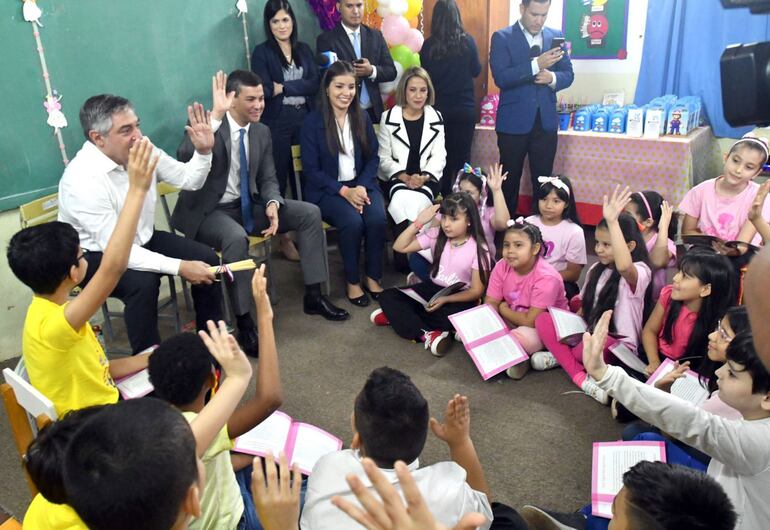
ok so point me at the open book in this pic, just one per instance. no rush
(135, 385)
(687, 387)
(610, 461)
(304, 444)
(703, 240)
(446, 291)
(628, 357)
(569, 326)
(487, 340)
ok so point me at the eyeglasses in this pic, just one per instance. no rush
(723, 336)
(82, 255)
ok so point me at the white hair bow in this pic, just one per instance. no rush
(511, 222)
(554, 181)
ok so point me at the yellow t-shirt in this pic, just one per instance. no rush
(221, 503)
(68, 366)
(44, 515)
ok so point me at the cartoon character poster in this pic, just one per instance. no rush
(596, 29)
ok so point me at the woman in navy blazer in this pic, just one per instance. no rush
(290, 79)
(339, 161)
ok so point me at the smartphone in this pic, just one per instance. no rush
(557, 42)
(361, 61)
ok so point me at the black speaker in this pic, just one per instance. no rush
(745, 72)
(755, 6)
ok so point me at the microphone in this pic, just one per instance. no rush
(534, 51)
(326, 59)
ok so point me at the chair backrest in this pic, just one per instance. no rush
(29, 397)
(296, 160)
(40, 211)
(164, 190)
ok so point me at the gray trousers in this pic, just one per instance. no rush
(223, 230)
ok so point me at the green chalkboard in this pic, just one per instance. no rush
(160, 54)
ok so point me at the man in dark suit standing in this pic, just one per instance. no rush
(529, 70)
(241, 197)
(366, 49)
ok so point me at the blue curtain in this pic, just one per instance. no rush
(683, 42)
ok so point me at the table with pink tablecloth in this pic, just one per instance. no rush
(597, 162)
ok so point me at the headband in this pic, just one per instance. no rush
(470, 170)
(756, 140)
(646, 204)
(555, 182)
(518, 221)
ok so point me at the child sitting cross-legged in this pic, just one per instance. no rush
(182, 372)
(390, 422)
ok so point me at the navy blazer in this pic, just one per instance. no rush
(520, 97)
(267, 65)
(321, 167)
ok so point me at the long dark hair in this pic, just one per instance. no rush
(453, 205)
(649, 205)
(710, 269)
(355, 114)
(542, 191)
(446, 29)
(594, 305)
(738, 318)
(271, 8)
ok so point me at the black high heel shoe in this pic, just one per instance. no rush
(361, 301)
(374, 294)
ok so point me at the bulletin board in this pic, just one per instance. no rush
(596, 29)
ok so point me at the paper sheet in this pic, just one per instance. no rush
(476, 323)
(628, 357)
(310, 444)
(495, 356)
(136, 385)
(270, 436)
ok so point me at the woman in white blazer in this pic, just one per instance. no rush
(412, 152)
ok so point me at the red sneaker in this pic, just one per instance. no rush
(437, 342)
(378, 318)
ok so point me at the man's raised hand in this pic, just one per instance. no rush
(141, 165)
(199, 129)
(222, 99)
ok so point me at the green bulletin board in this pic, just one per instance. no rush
(596, 29)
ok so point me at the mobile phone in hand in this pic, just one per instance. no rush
(361, 61)
(557, 42)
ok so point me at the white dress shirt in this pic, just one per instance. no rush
(347, 158)
(351, 35)
(533, 40)
(93, 189)
(233, 188)
(442, 485)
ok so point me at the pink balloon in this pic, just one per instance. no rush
(414, 39)
(395, 29)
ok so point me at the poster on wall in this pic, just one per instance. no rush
(596, 29)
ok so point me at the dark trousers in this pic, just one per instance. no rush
(420, 266)
(410, 319)
(540, 145)
(458, 138)
(138, 290)
(354, 228)
(285, 133)
(506, 518)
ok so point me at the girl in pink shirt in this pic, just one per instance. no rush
(679, 326)
(460, 255)
(655, 217)
(523, 285)
(564, 243)
(620, 280)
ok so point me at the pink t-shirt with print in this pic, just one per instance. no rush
(683, 327)
(563, 243)
(457, 263)
(659, 276)
(718, 215)
(542, 287)
(629, 305)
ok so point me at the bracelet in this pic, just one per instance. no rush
(417, 225)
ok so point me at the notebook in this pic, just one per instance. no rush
(610, 461)
(304, 444)
(446, 291)
(135, 385)
(569, 326)
(487, 340)
(688, 387)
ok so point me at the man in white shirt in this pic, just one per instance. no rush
(91, 194)
(529, 66)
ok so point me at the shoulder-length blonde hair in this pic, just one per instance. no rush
(414, 71)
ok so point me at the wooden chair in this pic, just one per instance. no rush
(45, 210)
(28, 411)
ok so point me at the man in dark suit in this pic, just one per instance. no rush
(529, 71)
(241, 197)
(366, 49)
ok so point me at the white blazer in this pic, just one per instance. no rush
(394, 144)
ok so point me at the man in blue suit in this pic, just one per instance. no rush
(529, 71)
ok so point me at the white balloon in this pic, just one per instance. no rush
(398, 7)
(383, 11)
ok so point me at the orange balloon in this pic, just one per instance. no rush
(415, 22)
(374, 21)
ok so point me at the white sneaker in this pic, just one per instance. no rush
(457, 337)
(592, 389)
(543, 360)
(437, 342)
(518, 371)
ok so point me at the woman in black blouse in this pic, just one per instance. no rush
(451, 58)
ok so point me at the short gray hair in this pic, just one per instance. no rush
(96, 113)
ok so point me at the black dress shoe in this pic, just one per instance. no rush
(247, 338)
(320, 305)
(360, 301)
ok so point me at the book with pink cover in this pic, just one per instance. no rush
(487, 340)
(569, 326)
(688, 387)
(304, 444)
(610, 461)
(135, 385)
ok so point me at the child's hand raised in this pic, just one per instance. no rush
(593, 347)
(277, 498)
(665, 382)
(259, 292)
(141, 165)
(495, 177)
(666, 214)
(755, 212)
(428, 214)
(614, 206)
(225, 350)
(456, 428)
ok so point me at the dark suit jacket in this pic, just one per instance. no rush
(267, 65)
(321, 167)
(520, 97)
(193, 206)
(373, 47)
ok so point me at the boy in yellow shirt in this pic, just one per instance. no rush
(62, 355)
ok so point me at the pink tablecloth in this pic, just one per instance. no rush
(597, 162)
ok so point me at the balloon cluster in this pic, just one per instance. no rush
(399, 27)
